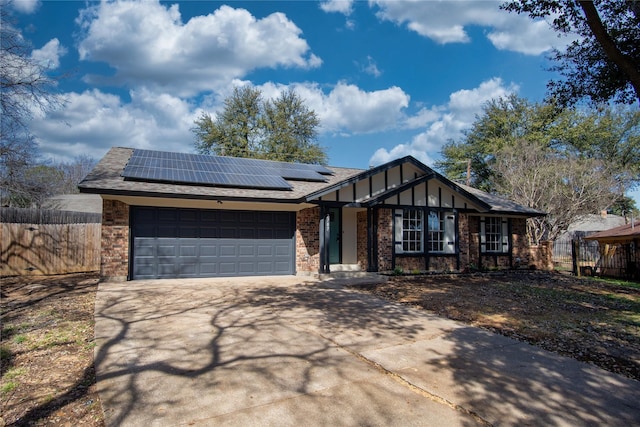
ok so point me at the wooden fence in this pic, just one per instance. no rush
(43, 244)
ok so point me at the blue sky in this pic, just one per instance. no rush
(386, 78)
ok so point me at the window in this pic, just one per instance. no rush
(494, 234)
(412, 231)
(435, 242)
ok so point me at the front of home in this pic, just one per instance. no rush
(173, 215)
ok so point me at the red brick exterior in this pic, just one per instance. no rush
(385, 239)
(114, 263)
(541, 256)
(308, 241)
(361, 242)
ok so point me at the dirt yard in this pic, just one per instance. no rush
(590, 320)
(46, 352)
(47, 330)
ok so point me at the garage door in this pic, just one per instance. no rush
(181, 243)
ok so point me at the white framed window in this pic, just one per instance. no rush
(417, 231)
(494, 234)
(412, 231)
(435, 240)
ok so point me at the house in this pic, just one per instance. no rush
(188, 215)
(619, 250)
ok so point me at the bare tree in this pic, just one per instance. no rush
(26, 89)
(564, 185)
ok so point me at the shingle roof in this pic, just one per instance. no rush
(106, 178)
(500, 204)
(624, 233)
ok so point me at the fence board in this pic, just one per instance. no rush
(49, 248)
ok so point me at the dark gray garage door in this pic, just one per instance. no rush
(180, 243)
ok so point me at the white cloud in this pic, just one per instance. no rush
(147, 43)
(49, 55)
(93, 121)
(348, 109)
(445, 122)
(446, 22)
(372, 67)
(341, 6)
(25, 6)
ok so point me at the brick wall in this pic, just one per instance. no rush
(308, 241)
(520, 242)
(114, 264)
(541, 256)
(464, 240)
(385, 239)
(361, 240)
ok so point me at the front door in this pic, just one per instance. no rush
(335, 231)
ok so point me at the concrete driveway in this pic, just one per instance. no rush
(291, 351)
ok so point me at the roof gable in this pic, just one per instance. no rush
(401, 182)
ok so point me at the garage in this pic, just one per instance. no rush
(187, 243)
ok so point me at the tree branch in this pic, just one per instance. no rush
(623, 61)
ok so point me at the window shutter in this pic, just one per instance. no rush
(449, 233)
(397, 222)
(483, 238)
(505, 235)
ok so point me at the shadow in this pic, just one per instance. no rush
(509, 382)
(40, 304)
(228, 348)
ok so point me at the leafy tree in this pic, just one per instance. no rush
(236, 132)
(565, 162)
(604, 62)
(283, 129)
(503, 122)
(290, 130)
(626, 207)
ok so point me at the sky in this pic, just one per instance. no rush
(387, 78)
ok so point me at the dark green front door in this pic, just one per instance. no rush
(335, 231)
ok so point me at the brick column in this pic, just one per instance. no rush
(385, 239)
(114, 263)
(361, 240)
(308, 241)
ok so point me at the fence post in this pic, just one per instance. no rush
(575, 256)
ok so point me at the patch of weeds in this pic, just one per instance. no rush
(398, 271)
(52, 339)
(13, 373)
(8, 387)
(10, 330)
(19, 339)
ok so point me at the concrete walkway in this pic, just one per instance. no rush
(288, 351)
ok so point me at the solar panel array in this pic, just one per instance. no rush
(161, 166)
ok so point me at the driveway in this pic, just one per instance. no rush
(292, 351)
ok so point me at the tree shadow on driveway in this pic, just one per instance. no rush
(188, 351)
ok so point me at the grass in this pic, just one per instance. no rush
(8, 387)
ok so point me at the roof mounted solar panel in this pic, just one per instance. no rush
(147, 165)
(204, 169)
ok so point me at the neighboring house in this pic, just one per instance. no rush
(186, 215)
(584, 226)
(619, 249)
(91, 203)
